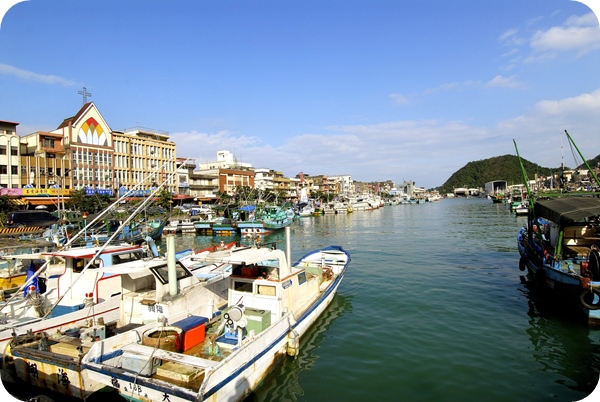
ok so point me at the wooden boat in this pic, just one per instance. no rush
(270, 306)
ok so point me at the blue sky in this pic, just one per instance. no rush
(381, 90)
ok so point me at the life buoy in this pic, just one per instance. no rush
(590, 299)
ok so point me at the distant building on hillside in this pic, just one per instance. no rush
(496, 186)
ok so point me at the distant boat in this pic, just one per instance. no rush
(522, 209)
(267, 219)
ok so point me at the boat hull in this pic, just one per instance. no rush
(562, 284)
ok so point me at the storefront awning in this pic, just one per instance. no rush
(42, 201)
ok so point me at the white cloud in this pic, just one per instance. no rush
(500, 81)
(425, 151)
(31, 76)
(399, 99)
(579, 34)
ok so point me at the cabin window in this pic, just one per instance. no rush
(267, 290)
(78, 264)
(162, 273)
(127, 257)
(242, 286)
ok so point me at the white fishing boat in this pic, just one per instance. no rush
(70, 292)
(271, 304)
(306, 209)
(149, 290)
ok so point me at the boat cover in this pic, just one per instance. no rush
(565, 211)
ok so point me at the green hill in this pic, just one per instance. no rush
(506, 167)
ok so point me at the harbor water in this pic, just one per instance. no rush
(433, 307)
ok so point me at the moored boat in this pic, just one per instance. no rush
(270, 306)
(150, 290)
(559, 247)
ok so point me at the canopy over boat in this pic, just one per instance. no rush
(565, 211)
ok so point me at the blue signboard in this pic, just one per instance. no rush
(102, 191)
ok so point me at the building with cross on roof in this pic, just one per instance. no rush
(83, 152)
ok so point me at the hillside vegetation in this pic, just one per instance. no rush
(506, 167)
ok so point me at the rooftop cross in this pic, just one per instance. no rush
(85, 94)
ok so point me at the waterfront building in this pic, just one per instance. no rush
(229, 171)
(85, 141)
(193, 184)
(313, 184)
(343, 184)
(264, 179)
(84, 153)
(10, 173)
(144, 153)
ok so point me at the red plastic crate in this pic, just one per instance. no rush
(194, 331)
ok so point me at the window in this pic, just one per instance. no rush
(127, 257)
(14, 170)
(2, 149)
(242, 286)
(48, 142)
(163, 275)
(14, 151)
(3, 169)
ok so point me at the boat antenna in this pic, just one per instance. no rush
(524, 177)
(584, 161)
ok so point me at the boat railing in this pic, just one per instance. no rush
(244, 355)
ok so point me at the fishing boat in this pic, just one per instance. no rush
(306, 209)
(149, 290)
(74, 288)
(134, 232)
(560, 248)
(522, 209)
(271, 304)
(184, 225)
(267, 220)
(77, 283)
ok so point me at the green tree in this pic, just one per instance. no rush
(7, 205)
(165, 199)
(80, 201)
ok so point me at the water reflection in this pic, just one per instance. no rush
(283, 383)
(561, 345)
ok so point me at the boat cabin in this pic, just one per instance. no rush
(81, 266)
(148, 295)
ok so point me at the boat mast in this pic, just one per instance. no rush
(530, 195)
(584, 161)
